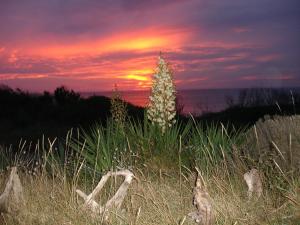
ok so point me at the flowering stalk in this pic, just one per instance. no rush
(161, 108)
(118, 108)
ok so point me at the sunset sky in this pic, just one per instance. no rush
(90, 45)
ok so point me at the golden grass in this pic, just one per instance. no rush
(154, 198)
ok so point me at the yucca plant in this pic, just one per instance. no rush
(104, 148)
(162, 105)
(140, 135)
(118, 109)
(148, 141)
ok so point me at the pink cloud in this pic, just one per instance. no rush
(268, 58)
(241, 29)
(268, 77)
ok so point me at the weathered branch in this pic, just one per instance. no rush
(115, 202)
(12, 198)
(254, 183)
(201, 200)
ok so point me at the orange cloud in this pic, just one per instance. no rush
(18, 76)
(141, 78)
(148, 39)
(140, 75)
(136, 77)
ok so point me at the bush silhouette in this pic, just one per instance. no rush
(62, 95)
(29, 116)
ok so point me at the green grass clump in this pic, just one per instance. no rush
(103, 148)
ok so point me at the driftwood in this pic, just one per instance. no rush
(202, 202)
(12, 198)
(115, 202)
(254, 183)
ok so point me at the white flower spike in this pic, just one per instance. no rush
(161, 108)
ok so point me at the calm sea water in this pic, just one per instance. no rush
(195, 102)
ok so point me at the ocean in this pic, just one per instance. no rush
(195, 102)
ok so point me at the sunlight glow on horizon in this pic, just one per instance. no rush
(129, 73)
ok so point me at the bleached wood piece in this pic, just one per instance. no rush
(254, 183)
(202, 202)
(12, 198)
(115, 202)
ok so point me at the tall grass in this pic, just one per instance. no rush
(210, 145)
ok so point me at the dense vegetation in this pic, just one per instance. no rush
(30, 116)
